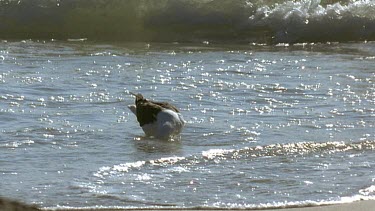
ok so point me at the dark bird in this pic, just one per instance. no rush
(158, 119)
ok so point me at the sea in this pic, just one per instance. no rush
(278, 98)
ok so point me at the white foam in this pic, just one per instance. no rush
(126, 166)
(214, 153)
(293, 20)
(166, 161)
(369, 191)
(16, 144)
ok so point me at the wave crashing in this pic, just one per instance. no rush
(268, 21)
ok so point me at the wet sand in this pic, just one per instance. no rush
(355, 206)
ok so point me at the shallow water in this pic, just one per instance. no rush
(267, 126)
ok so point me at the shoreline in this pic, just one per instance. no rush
(363, 205)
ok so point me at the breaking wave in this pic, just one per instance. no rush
(269, 21)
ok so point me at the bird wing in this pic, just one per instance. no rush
(167, 106)
(147, 112)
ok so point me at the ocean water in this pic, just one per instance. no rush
(271, 123)
(267, 126)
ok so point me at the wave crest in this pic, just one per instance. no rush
(270, 21)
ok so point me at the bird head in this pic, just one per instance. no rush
(138, 98)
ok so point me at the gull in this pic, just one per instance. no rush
(157, 119)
